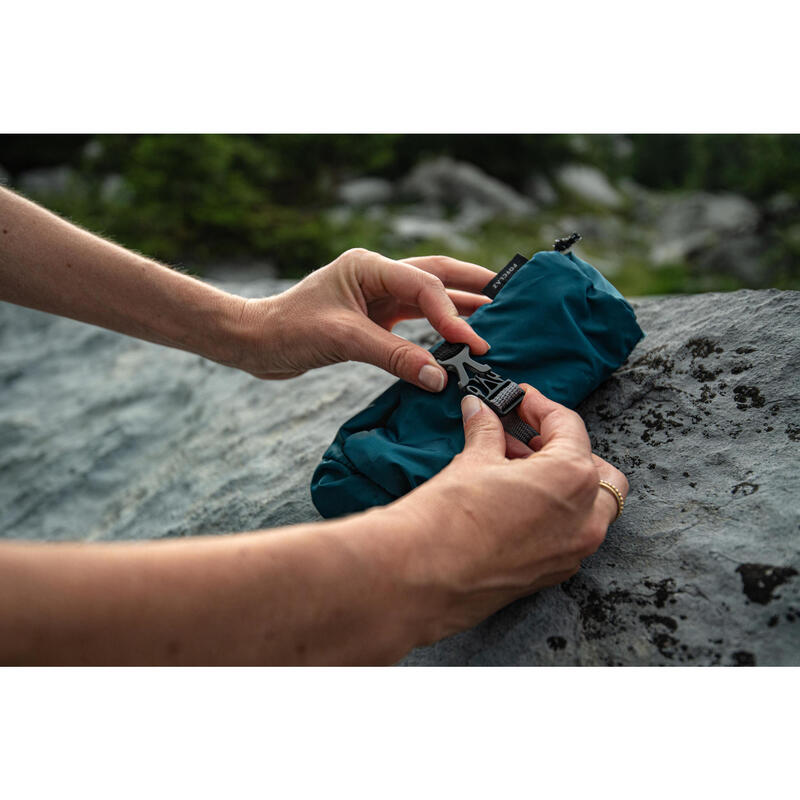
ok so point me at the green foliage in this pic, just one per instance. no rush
(755, 165)
(196, 199)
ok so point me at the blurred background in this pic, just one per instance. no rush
(658, 213)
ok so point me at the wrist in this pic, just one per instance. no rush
(246, 329)
(407, 605)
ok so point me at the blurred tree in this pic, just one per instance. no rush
(189, 199)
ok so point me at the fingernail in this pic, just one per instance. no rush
(432, 378)
(470, 405)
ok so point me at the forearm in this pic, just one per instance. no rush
(48, 264)
(327, 593)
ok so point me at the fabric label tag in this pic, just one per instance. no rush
(501, 279)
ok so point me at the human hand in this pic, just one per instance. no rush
(503, 520)
(346, 310)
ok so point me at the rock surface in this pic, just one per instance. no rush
(107, 438)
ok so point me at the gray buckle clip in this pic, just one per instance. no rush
(459, 362)
(500, 394)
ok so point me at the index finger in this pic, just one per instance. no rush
(558, 426)
(453, 273)
(416, 287)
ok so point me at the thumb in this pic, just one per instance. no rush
(406, 360)
(483, 431)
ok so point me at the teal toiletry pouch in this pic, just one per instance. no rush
(556, 324)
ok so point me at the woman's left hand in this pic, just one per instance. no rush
(346, 310)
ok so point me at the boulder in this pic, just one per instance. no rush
(107, 438)
(47, 180)
(694, 224)
(541, 190)
(361, 192)
(589, 185)
(704, 565)
(412, 228)
(449, 182)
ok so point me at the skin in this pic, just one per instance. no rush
(502, 521)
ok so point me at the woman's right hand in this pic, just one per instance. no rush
(504, 520)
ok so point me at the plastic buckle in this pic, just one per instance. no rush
(500, 394)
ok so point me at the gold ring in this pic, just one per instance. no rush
(617, 496)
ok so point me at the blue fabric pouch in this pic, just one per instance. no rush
(556, 324)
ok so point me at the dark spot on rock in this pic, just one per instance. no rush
(5, 230)
(745, 487)
(743, 350)
(663, 590)
(790, 617)
(741, 658)
(651, 466)
(793, 432)
(656, 362)
(743, 395)
(665, 644)
(773, 621)
(706, 396)
(556, 642)
(655, 421)
(702, 348)
(598, 611)
(760, 580)
(693, 484)
(685, 474)
(703, 375)
(657, 619)
(770, 428)
(775, 409)
(742, 366)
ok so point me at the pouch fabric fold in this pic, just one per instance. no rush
(557, 324)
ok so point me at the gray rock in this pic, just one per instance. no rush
(589, 185)
(443, 180)
(115, 189)
(689, 224)
(742, 256)
(411, 228)
(704, 565)
(365, 192)
(541, 190)
(622, 146)
(93, 150)
(107, 438)
(47, 180)
(719, 213)
(782, 204)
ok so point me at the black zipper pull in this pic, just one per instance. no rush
(564, 245)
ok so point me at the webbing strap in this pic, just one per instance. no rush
(501, 394)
